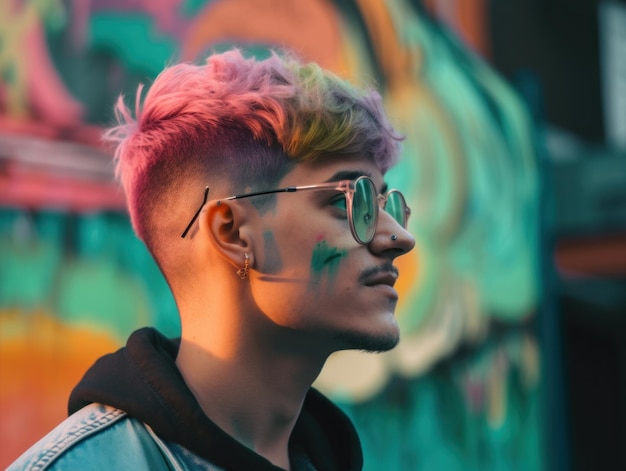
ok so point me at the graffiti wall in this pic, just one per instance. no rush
(460, 392)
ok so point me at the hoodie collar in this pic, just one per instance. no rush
(142, 379)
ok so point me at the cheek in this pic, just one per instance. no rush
(325, 262)
(273, 262)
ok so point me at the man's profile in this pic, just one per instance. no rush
(258, 187)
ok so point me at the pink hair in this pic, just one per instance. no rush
(243, 118)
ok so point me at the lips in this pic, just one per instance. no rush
(384, 278)
(385, 274)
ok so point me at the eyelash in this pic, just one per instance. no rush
(339, 199)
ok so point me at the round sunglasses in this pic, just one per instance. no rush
(362, 204)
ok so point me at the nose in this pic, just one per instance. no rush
(390, 238)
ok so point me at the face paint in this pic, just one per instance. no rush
(325, 258)
(273, 263)
(265, 204)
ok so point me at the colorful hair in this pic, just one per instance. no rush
(240, 119)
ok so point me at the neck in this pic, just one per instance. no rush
(248, 387)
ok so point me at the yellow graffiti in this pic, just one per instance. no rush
(18, 21)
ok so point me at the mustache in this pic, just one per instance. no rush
(386, 267)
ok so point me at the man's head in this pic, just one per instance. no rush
(240, 125)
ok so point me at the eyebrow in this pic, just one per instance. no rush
(347, 175)
(353, 175)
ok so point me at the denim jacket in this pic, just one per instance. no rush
(153, 422)
(100, 437)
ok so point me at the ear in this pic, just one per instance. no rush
(225, 226)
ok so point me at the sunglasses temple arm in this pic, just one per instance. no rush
(195, 216)
(290, 189)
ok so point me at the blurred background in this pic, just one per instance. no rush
(513, 303)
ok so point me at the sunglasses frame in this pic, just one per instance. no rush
(347, 187)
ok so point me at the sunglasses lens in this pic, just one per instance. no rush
(364, 209)
(396, 206)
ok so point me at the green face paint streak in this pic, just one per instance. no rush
(273, 263)
(325, 258)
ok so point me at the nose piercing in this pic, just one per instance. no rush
(394, 237)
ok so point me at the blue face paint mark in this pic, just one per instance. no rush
(273, 263)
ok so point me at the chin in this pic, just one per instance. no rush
(369, 342)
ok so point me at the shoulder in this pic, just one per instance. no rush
(96, 437)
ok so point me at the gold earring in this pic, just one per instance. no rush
(243, 271)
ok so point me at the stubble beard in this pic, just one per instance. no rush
(368, 343)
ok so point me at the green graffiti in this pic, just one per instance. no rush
(325, 258)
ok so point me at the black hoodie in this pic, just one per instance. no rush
(142, 379)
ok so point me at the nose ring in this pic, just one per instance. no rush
(394, 237)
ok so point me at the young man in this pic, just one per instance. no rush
(256, 186)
